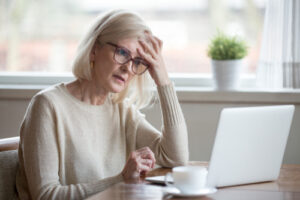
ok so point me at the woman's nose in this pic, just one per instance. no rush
(127, 67)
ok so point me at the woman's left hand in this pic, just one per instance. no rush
(153, 55)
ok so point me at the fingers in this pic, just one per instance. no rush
(146, 153)
(148, 48)
(146, 56)
(151, 52)
(141, 167)
(142, 158)
(139, 162)
(156, 42)
(147, 162)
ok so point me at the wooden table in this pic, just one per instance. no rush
(286, 187)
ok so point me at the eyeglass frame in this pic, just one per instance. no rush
(130, 59)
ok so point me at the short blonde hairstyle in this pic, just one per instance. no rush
(111, 27)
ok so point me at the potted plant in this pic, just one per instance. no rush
(227, 53)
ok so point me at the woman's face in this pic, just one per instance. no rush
(107, 73)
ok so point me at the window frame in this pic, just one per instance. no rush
(194, 89)
(181, 80)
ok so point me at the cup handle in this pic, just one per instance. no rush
(169, 174)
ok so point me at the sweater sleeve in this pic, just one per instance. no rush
(170, 146)
(40, 157)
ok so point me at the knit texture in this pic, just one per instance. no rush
(70, 149)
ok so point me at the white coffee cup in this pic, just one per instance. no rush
(188, 179)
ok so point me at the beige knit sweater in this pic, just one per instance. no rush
(71, 150)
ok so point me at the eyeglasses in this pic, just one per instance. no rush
(123, 56)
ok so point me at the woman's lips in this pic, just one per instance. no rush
(120, 78)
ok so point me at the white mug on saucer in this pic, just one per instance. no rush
(188, 179)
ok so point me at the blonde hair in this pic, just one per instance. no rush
(111, 27)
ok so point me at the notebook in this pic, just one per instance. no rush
(249, 145)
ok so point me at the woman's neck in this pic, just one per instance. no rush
(87, 91)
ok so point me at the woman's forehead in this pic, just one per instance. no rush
(131, 44)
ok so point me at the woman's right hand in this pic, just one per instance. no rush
(139, 162)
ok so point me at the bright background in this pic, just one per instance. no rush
(42, 35)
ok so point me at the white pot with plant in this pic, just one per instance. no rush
(226, 55)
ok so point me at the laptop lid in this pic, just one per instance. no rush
(249, 145)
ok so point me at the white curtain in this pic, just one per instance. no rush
(279, 63)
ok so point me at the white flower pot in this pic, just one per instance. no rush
(226, 74)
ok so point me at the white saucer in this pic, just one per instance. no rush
(202, 192)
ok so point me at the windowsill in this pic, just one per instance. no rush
(185, 94)
(246, 95)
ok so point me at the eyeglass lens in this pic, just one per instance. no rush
(123, 56)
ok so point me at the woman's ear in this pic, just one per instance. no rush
(93, 53)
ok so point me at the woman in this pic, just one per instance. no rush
(81, 137)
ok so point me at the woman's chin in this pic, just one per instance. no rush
(117, 88)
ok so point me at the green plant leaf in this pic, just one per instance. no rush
(224, 47)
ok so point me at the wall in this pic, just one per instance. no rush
(202, 120)
(201, 110)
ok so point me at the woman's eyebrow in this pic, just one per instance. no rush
(124, 48)
(137, 55)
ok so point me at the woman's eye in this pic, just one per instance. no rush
(137, 62)
(123, 52)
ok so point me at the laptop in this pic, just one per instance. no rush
(249, 145)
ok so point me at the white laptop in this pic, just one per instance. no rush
(249, 145)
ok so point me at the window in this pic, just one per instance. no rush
(41, 36)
